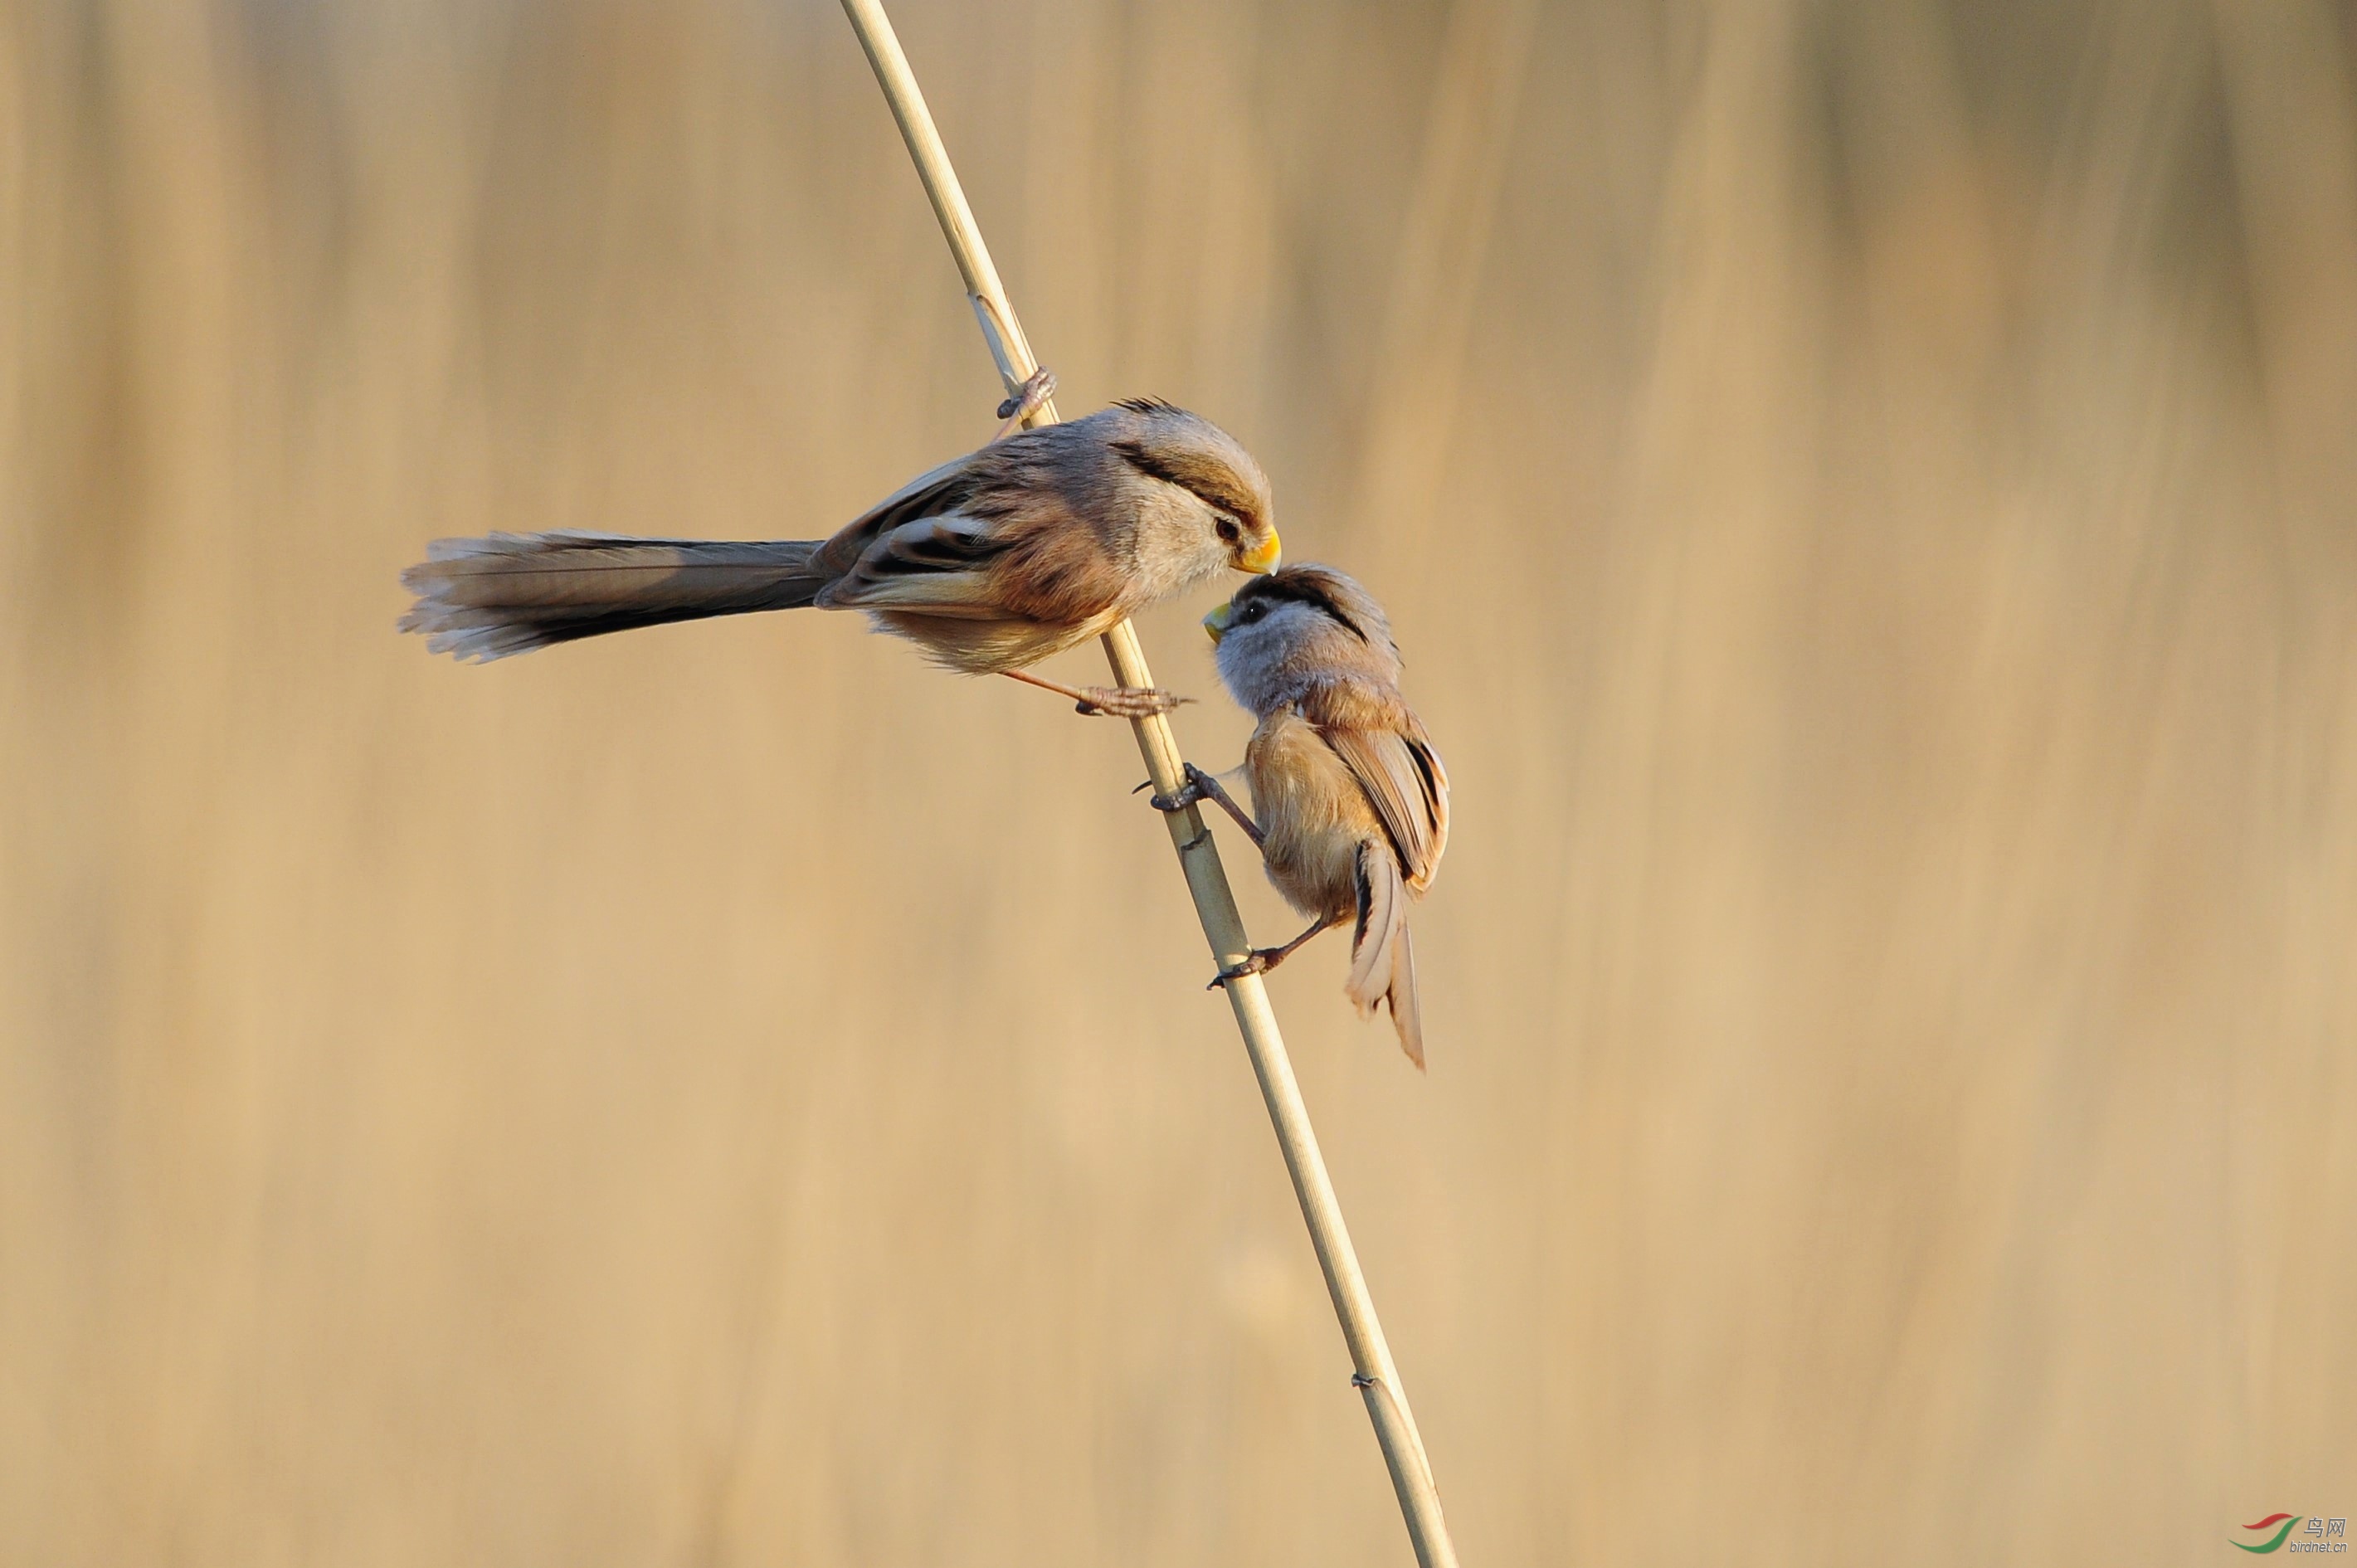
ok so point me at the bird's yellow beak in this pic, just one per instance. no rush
(1216, 623)
(1263, 557)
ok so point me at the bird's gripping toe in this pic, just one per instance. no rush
(1126, 702)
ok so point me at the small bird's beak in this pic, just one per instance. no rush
(1263, 557)
(1216, 623)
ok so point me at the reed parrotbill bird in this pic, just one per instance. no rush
(1035, 542)
(1349, 800)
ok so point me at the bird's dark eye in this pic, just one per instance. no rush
(1228, 530)
(1252, 612)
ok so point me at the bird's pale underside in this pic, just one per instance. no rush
(1349, 799)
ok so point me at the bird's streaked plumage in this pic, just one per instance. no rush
(1349, 796)
(991, 562)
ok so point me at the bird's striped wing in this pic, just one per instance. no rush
(1404, 781)
(937, 494)
(935, 566)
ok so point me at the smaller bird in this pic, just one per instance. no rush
(1350, 801)
(1038, 541)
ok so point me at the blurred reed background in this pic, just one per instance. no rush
(1867, 490)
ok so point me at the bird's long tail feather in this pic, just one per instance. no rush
(510, 593)
(1382, 961)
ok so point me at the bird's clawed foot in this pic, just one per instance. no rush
(1260, 961)
(1201, 786)
(1126, 702)
(1105, 701)
(1035, 390)
(1186, 795)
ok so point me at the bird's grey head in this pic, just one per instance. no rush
(1290, 630)
(1219, 489)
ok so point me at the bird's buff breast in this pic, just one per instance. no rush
(1312, 814)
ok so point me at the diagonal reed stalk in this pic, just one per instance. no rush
(1374, 1376)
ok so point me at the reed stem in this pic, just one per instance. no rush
(1207, 879)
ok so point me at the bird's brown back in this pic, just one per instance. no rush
(1390, 755)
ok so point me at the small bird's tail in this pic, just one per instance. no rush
(1383, 960)
(486, 598)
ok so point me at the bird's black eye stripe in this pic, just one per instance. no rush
(1218, 496)
(1135, 454)
(1266, 591)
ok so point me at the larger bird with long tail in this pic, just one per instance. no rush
(1031, 545)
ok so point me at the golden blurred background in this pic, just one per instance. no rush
(1868, 489)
